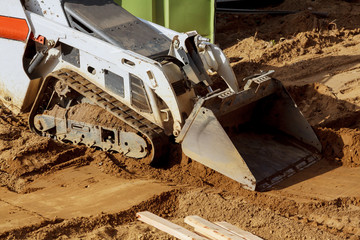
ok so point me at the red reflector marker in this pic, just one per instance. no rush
(13, 28)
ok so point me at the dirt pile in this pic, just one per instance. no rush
(342, 145)
(289, 57)
(335, 121)
(291, 44)
(24, 154)
(319, 103)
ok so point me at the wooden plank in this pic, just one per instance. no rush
(210, 229)
(168, 227)
(242, 233)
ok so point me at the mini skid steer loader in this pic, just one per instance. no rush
(91, 73)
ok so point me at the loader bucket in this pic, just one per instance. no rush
(257, 137)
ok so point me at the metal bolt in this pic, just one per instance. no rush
(51, 43)
(203, 39)
(176, 44)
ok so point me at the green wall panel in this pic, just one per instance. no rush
(179, 15)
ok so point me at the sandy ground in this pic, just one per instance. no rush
(58, 191)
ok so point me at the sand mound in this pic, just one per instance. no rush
(318, 103)
(341, 145)
(336, 125)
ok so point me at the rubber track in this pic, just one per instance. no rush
(154, 133)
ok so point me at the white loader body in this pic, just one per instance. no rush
(153, 71)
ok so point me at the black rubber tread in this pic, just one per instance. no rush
(154, 134)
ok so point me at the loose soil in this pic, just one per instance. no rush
(53, 190)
